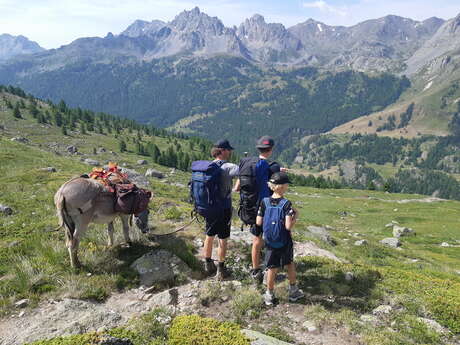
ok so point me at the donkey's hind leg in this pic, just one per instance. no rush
(110, 233)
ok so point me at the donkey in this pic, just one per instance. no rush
(82, 201)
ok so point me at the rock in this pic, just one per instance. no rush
(135, 177)
(109, 340)
(445, 244)
(391, 242)
(165, 298)
(13, 244)
(198, 242)
(258, 338)
(369, 319)
(400, 231)
(389, 225)
(432, 325)
(6, 210)
(382, 310)
(101, 150)
(177, 184)
(72, 149)
(90, 161)
(21, 314)
(49, 169)
(309, 248)
(22, 303)
(321, 233)
(20, 140)
(360, 243)
(2, 127)
(154, 173)
(310, 326)
(159, 266)
(349, 276)
(173, 171)
(142, 162)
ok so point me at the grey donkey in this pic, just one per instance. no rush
(82, 201)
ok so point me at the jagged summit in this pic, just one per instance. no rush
(11, 46)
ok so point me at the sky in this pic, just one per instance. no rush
(53, 23)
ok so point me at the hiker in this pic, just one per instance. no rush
(277, 218)
(253, 187)
(213, 200)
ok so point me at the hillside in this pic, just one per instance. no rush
(374, 293)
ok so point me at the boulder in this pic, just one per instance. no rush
(49, 169)
(142, 162)
(432, 325)
(154, 173)
(445, 244)
(258, 338)
(164, 298)
(360, 243)
(135, 177)
(22, 303)
(400, 231)
(307, 248)
(391, 242)
(322, 234)
(72, 149)
(6, 210)
(101, 150)
(382, 310)
(159, 266)
(20, 140)
(90, 161)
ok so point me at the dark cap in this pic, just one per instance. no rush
(265, 142)
(280, 178)
(223, 144)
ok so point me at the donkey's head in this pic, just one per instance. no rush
(142, 221)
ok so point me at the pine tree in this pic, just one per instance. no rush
(64, 130)
(122, 146)
(16, 112)
(82, 128)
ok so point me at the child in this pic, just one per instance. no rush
(277, 217)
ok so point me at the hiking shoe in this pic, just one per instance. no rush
(223, 272)
(295, 294)
(210, 268)
(269, 298)
(257, 275)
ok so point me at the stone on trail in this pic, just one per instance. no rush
(382, 310)
(154, 173)
(445, 244)
(159, 266)
(309, 248)
(22, 303)
(432, 325)
(142, 162)
(72, 149)
(20, 140)
(49, 169)
(310, 326)
(391, 242)
(258, 338)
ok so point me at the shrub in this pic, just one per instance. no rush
(193, 329)
(247, 304)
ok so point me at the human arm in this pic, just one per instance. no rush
(237, 186)
(259, 220)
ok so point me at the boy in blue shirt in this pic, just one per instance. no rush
(277, 217)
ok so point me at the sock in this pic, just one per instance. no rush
(221, 264)
(208, 260)
(271, 292)
(292, 287)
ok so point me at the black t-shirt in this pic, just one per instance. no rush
(288, 211)
(274, 168)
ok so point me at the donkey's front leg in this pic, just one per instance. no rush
(125, 222)
(110, 233)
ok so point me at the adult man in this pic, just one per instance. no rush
(253, 186)
(220, 224)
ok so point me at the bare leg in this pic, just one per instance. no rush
(271, 275)
(125, 222)
(207, 248)
(257, 244)
(292, 276)
(222, 249)
(110, 233)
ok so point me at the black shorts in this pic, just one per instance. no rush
(279, 257)
(220, 225)
(256, 230)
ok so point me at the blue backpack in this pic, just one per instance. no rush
(275, 233)
(205, 188)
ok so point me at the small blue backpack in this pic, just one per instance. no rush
(205, 188)
(275, 233)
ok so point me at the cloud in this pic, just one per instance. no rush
(325, 7)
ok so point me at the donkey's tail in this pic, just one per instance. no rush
(65, 220)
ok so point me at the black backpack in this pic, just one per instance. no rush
(250, 189)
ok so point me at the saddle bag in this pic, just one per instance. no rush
(129, 199)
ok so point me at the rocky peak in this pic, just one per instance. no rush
(11, 46)
(142, 27)
(197, 21)
(256, 29)
(454, 27)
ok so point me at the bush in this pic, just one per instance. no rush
(193, 329)
(247, 304)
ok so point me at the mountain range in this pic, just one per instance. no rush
(11, 46)
(193, 73)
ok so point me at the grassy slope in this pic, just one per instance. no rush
(34, 262)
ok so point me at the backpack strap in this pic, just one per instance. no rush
(267, 203)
